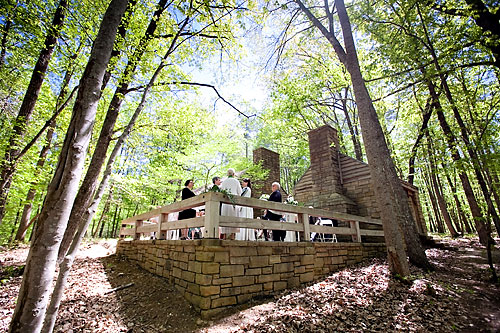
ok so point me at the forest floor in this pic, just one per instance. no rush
(456, 297)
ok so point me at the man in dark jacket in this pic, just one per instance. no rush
(278, 235)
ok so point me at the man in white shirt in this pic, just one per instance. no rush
(231, 185)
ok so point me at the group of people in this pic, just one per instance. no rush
(233, 186)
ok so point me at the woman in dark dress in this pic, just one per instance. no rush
(186, 194)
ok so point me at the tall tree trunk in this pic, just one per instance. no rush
(115, 219)
(25, 219)
(88, 214)
(491, 185)
(463, 130)
(9, 162)
(398, 222)
(88, 187)
(435, 206)
(354, 137)
(41, 263)
(427, 112)
(461, 213)
(6, 30)
(438, 191)
(464, 178)
(432, 225)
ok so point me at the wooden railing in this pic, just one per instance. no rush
(141, 224)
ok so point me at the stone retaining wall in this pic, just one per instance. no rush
(214, 274)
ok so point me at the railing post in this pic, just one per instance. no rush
(163, 218)
(355, 237)
(304, 219)
(212, 209)
(136, 234)
(121, 230)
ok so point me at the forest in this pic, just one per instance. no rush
(108, 106)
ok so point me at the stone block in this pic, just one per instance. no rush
(244, 298)
(239, 260)
(299, 269)
(203, 280)
(183, 265)
(293, 282)
(268, 278)
(267, 270)
(205, 303)
(223, 301)
(337, 260)
(319, 262)
(307, 259)
(283, 267)
(176, 272)
(279, 250)
(209, 290)
(188, 276)
(251, 289)
(275, 259)
(279, 285)
(240, 251)
(258, 261)
(264, 250)
(231, 291)
(268, 286)
(211, 242)
(222, 257)
(188, 249)
(231, 270)
(296, 250)
(205, 256)
(194, 266)
(210, 268)
(309, 250)
(207, 314)
(243, 280)
(222, 281)
(181, 283)
(193, 288)
(253, 271)
(306, 277)
(290, 258)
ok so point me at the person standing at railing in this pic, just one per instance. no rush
(187, 192)
(231, 185)
(247, 212)
(216, 186)
(278, 235)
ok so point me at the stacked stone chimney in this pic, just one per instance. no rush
(270, 161)
(327, 189)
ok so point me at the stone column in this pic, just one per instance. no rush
(269, 161)
(324, 153)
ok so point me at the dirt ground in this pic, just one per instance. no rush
(456, 297)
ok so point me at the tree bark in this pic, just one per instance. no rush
(25, 219)
(8, 165)
(355, 140)
(463, 130)
(41, 263)
(435, 208)
(464, 178)
(438, 191)
(398, 223)
(86, 219)
(461, 214)
(88, 187)
(422, 131)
